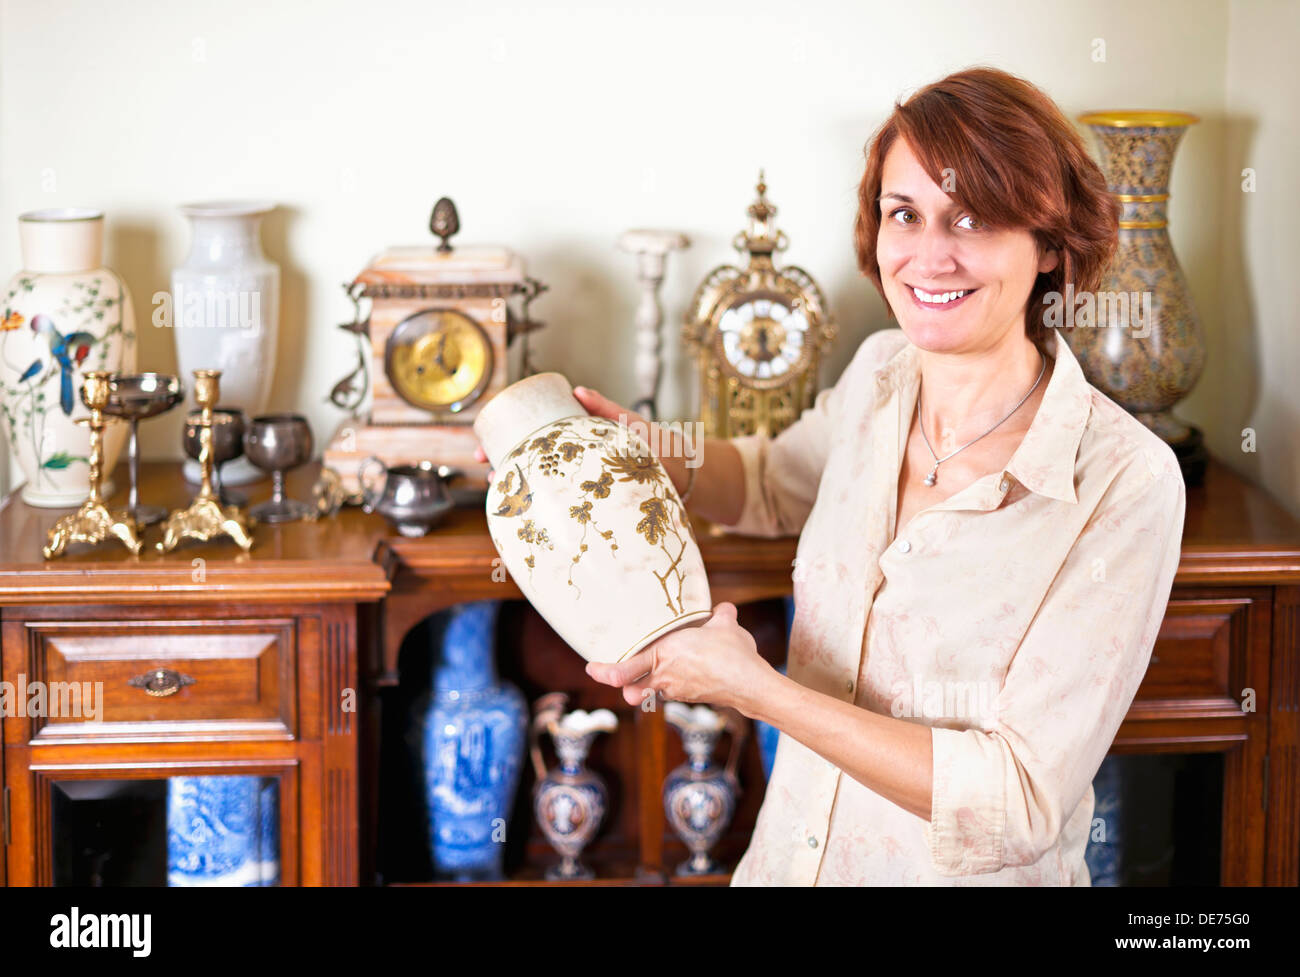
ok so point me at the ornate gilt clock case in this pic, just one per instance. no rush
(437, 342)
(758, 334)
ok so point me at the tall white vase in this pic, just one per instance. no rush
(587, 522)
(226, 311)
(63, 314)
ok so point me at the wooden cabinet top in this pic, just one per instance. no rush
(1234, 533)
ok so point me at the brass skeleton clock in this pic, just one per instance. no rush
(758, 333)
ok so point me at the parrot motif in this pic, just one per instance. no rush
(69, 351)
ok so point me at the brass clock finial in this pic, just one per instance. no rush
(762, 236)
(444, 222)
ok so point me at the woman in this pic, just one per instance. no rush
(987, 542)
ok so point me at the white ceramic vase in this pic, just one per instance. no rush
(63, 314)
(587, 522)
(226, 312)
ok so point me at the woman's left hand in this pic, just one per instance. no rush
(716, 663)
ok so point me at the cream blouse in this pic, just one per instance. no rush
(1015, 619)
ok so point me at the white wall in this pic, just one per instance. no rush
(1255, 349)
(555, 126)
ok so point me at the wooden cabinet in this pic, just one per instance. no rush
(276, 664)
(202, 662)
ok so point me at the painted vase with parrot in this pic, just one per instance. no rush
(64, 314)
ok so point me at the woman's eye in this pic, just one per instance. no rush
(905, 214)
(970, 223)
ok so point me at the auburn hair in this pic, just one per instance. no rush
(1014, 161)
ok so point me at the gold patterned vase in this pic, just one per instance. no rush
(587, 522)
(1139, 339)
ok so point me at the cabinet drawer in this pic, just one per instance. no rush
(1200, 653)
(163, 679)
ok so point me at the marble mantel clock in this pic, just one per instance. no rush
(758, 334)
(436, 342)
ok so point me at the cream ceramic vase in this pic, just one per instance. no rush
(63, 315)
(587, 522)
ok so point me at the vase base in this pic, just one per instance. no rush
(63, 500)
(558, 873)
(698, 865)
(237, 471)
(685, 620)
(1192, 457)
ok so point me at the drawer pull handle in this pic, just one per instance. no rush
(161, 682)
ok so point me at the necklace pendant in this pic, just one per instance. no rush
(930, 479)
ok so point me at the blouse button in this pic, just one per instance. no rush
(848, 686)
(1003, 485)
(812, 842)
(904, 546)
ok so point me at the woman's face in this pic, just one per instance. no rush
(929, 248)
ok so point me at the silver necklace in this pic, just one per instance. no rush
(934, 474)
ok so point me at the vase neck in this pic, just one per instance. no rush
(226, 240)
(61, 241)
(464, 653)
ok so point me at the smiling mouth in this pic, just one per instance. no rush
(940, 300)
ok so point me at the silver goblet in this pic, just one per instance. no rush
(134, 397)
(228, 425)
(276, 443)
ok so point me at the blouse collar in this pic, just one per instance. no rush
(1046, 458)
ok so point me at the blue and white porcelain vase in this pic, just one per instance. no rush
(700, 796)
(569, 802)
(766, 735)
(1104, 855)
(223, 831)
(472, 739)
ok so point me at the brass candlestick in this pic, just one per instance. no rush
(94, 522)
(206, 517)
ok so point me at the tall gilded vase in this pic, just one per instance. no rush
(1145, 348)
(226, 311)
(63, 315)
(473, 741)
(587, 522)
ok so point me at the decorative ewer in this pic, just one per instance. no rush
(700, 796)
(62, 316)
(413, 498)
(568, 802)
(94, 522)
(587, 522)
(1146, 349)
(206, 517)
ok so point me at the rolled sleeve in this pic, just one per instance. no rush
(782, 474)
(1002, 794)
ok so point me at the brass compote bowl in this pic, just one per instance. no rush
(206, 517)
(133, 398)
(94, 522)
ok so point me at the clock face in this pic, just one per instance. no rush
(438, 359)
(763, 338)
